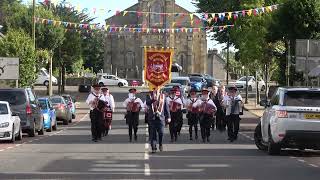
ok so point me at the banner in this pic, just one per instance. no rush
(157, 66)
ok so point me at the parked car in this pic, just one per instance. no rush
(196, 75)
(197, 83)
(183, 81)
(10, 127)
(24, 102)
(44, 77)
(241, 83)
(112, 80)
(291, 120)
(49, 114)
(71, 103)
(63, 112)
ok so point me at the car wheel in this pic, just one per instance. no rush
(32, 131)
(273, 148)
(120, 84)
(65, 122)
(263, 88)
(249, 88)
(13, 138)
(55, 127)
(19, 137)
(41, 132)
(101, 84)
(50, 128)
(258, 138)
(46, 83)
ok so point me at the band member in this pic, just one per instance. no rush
(179, 94)
(133, 105)
(158, 114)
(192, 115)
(96, 114)
(175, 105)
(233, 104)
(107, 120)
(214, 97)
(207, 108)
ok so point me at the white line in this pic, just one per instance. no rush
(36, 139)
(10, 147)
(105, 162)
(17, 145)
(1, 150)
(301, 160)
(313, 165)
(143, 170)
(146, 146)
(30, 141)
(147, 170)
(115, 165)
(146, 155)
(292, 157)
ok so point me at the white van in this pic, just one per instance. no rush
(43, 78)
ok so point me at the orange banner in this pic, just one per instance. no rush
(157, 66)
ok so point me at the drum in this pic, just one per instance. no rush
(174, 106)
(134, 107)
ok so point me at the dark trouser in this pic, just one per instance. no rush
(106, 126)
(180, 121)
(233, 123)
(174, 125)
(133, 123)
(96, 117)
(205, 123)
(156, 129)
(193, 122)
(221, 120)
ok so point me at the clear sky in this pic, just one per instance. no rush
(103, 6)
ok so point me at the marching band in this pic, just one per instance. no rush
(219, 109)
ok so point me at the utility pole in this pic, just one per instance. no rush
(34, 24)
(228, 47)
(288, 63)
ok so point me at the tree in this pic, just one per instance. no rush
(17, 43)
(93, 51)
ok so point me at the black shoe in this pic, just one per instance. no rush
(191, 139)
(204, 140)
(196, 137)
(160, 148)
(130, 139)
(172, 140)
(175, 139)
(135, 137)
(94, 140)
(208, 139)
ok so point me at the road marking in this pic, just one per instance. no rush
(80, 173)
(10, 147)
(146, 156)
(17, 145)
(105, 162)
(301, 160)
(313, 165)
(143, 170)
(30, 141)
(208, 165)
(147, 169)
(116, 165)
(36, 139)
(1, 150)
(146, 146)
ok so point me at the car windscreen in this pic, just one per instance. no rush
(302, 98)
(244, 79)
(180, 81)
(56, 100)
(3, 109)
(43, 104)
(195, 79)
(14, 98)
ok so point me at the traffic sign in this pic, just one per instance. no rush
(9, 68)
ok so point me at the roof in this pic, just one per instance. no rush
(182, 78)
(299, 89)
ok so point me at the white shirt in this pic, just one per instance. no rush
(175, 99)
(190, 101)
(107, 99)
(199, 102)
(91, 98)
(137, 100)
(227, 101)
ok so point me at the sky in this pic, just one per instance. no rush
(114, 5)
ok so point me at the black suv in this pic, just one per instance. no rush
(24, 102)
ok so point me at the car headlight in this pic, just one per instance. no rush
(4, 125)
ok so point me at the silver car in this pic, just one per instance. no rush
(63, 112)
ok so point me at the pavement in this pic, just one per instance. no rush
(254, 108)
(69, 153)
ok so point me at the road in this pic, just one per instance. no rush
(69, 153)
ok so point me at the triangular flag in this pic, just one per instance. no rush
(269, 8)
(173, 24)
(125, 12)
(229, 15)
(191, 17)
(249, 12)
(107, 27)
(213, 15)
(243, 13)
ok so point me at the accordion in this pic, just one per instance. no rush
(133, 107)
(207, 108)
(174, 106)
(193, 109)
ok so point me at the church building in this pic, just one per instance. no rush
(124, 50)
